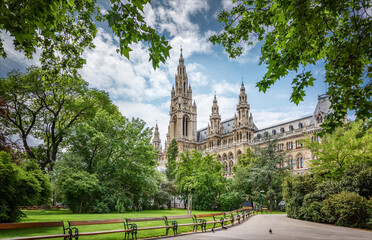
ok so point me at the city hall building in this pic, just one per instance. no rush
(229, 138)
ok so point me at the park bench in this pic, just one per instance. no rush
(132, 222)
(73, 227)
(8, 226)
(172, 221)
(217, 219)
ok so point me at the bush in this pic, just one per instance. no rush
(20, 186)
(230, 201)
(79, 191)
(346, 209)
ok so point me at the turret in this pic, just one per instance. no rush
(215, 117)
(156, 140)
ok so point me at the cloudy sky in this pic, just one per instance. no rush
(140, 91)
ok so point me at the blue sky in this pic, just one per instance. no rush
(140, 91)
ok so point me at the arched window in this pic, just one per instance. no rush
(290, 128)
(300, 125)
(225, 167)
(300, 162)
(231, 163)
(274, 132)
(258, 136)
(175, 126)
(282, 130)
(185, 126)
(290, 162)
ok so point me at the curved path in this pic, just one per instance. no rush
(282, 227)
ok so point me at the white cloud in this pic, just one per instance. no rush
(148, 112)
(224, 88)
(15, 58)
(132, 79)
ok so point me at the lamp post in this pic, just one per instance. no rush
(262, 191)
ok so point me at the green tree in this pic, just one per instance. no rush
(46, 107)
(260, 171)
(172, 153)
(20, 186)
(201, 177)
(64, 29)
(336, 152)
(118, 152)
(298, 34)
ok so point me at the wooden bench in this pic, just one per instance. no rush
(73, 227)
(172, 221)
(7, 226)
(132, 222)
(218, 218)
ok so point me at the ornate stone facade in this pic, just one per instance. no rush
(230, 138)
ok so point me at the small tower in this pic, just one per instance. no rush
(215, 117)
(156, 142)
(243, 120)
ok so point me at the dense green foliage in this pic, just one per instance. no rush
(201, 177)
(346, 209)
(231, 200)
(259, 170)
(115, 163)
(172, 153)
(20, 185)
(344, 147)
(332, 192)
(46, 107)
(64, 29)
(300, 34)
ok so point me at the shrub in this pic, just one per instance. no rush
(20, 186)
(346, 209)
(230, 201)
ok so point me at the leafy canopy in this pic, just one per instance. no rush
(172, 153)
(64, 29)
(298, 34)
(338, 151)
(201, 177)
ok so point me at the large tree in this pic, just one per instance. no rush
(298, 34)
(172, 153)
(200, 177)
(118, 160)
(63, 29)
(260, 170)
(44, 106)
(335, 153)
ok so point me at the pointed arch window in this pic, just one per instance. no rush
(185, 126)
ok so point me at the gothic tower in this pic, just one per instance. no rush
(243, 121)
(215, 118)
(182, 123)
(156, 140)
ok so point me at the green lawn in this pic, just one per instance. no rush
(64, 215)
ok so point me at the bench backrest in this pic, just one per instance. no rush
(178, 217)
(4, 226)
(145, 219)
(94, 222)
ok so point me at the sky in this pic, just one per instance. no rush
(140, 91)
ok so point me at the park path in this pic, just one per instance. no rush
(257, 227)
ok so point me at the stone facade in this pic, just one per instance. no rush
(230, 138)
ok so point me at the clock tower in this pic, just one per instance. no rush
(183, 111)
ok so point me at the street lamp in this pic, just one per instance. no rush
(262, 191)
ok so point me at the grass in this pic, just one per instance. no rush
(64, 215)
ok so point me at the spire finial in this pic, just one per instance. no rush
(181, 50)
